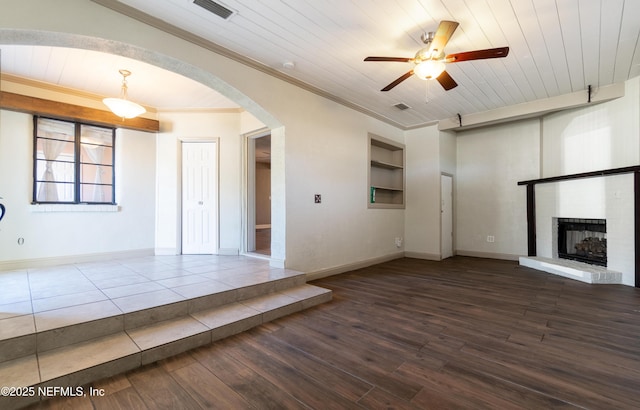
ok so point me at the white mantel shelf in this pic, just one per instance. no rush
(573, 270)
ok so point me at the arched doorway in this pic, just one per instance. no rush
(165, 62)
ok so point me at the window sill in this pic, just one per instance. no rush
(74, 208)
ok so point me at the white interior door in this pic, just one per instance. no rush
(199, 198)
(446, 215)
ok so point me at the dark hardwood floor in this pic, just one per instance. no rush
(412, 334)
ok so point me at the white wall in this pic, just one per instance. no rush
(592, 138)
(422, 222)
(326, 154)
(596, 137)
(73, 234)
(490, 162)
(318, 146)
(176, 127)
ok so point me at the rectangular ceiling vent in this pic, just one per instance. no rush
(215, 8)
(402, 106)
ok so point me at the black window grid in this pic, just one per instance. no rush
(77, 182)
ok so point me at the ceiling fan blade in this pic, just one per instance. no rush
(442, 35)
(396, 59)
(478, 55)
(446, 81)
(398, 80)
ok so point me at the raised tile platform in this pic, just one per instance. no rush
(69, 325)
(573, 270)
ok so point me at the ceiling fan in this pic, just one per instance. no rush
(430, 61)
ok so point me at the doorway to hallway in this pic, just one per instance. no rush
(259, 194)
(446, 216)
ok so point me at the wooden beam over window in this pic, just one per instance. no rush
(39, 106)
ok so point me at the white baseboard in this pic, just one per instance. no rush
(488, 255)
(166, 251)
(228, 251)
(323, 273)
(71, 259)
(422, 255)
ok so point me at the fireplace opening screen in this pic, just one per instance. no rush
(583, 240)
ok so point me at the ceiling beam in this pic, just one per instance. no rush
(533, 109)
(39, 106)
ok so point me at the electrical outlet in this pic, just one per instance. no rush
(398, 242)
(318, 198)
(491, 238)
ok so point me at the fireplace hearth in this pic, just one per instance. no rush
(583, 240)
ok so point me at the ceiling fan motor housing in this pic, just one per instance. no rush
(429, 62)
(426, 53)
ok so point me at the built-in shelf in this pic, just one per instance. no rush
(386, 165)
(386, 182)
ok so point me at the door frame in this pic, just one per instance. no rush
(453, 230)
(215, 140)
(248, 224)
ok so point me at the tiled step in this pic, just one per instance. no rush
(52, 329)
(79, 363)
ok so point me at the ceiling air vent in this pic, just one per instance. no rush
(215, 8)
(402, 106)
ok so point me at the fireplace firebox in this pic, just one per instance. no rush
(583, 240)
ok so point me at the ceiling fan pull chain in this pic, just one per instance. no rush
(426, 92)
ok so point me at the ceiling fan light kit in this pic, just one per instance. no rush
(429, 69)
(430, 61)
(122, 107)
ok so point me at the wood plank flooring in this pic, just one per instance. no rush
(412, 334)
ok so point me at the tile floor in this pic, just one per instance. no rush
(37, 300)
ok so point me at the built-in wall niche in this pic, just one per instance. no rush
(386, 182)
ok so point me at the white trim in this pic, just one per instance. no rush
(166, 251)
(323, 273)
(259, 133)
(257, 256)
(422, 255)
(228, 251)
(488, 255)
(73, 208)
(71, 259)
(199, 139)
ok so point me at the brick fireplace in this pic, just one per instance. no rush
(606, 203)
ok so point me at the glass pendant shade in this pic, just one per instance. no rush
(429, 69)
(122, 107)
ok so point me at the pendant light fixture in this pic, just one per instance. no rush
(121, 106)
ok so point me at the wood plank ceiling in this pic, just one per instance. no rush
(556, 47)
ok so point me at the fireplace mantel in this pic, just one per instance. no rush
(531, 206)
